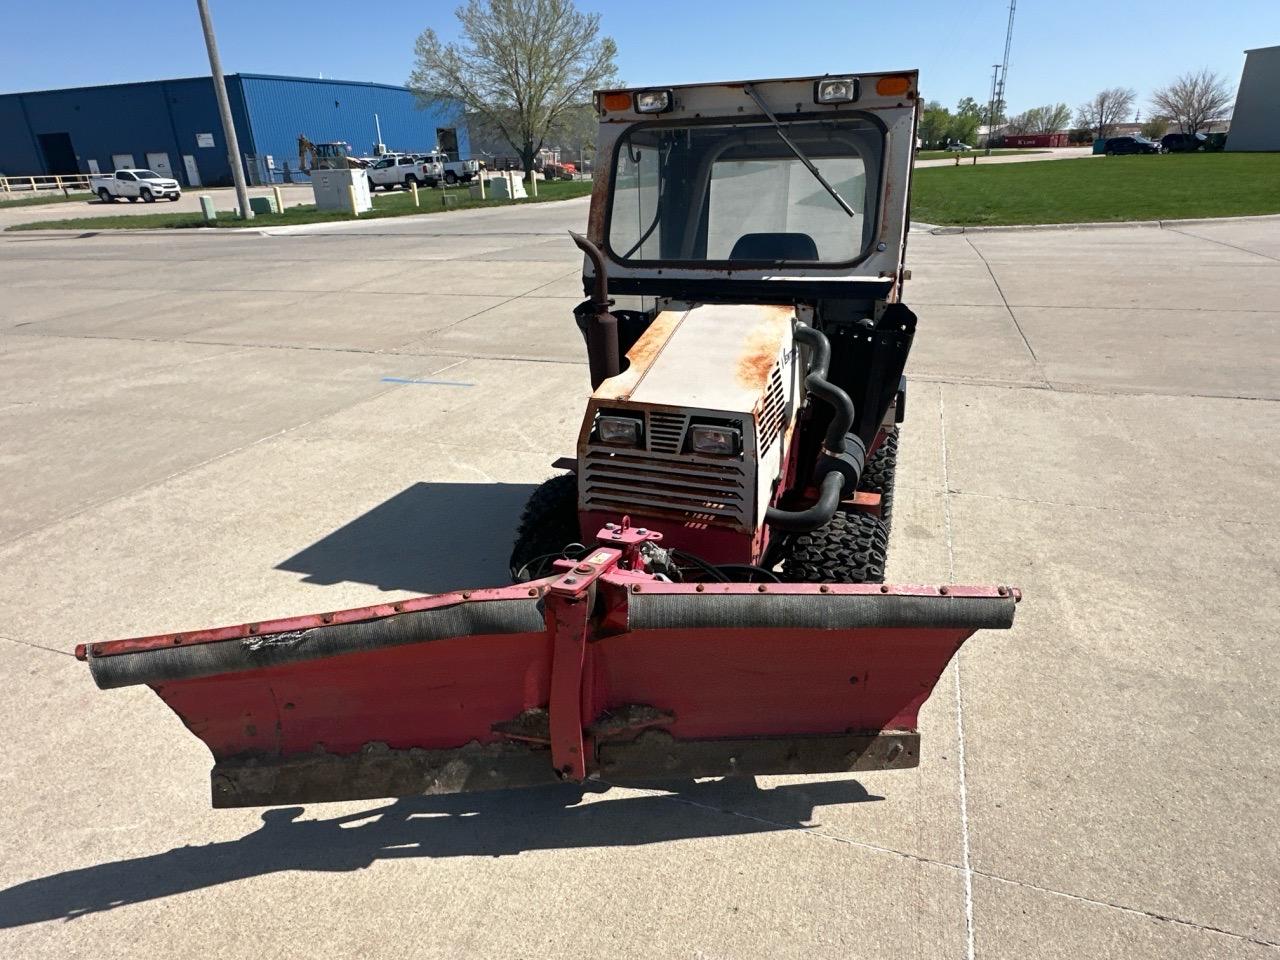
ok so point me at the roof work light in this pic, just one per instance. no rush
(836, 90)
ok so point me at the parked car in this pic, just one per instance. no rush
(1184, 142)
(958, 147)
(1216, 141)
(1117, 146)
(400, 170)
(134, 185)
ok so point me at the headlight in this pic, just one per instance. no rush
(715, 440)
(618, 431)
(653, 101)
(836, 90)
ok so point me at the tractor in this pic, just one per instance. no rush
(700, 591)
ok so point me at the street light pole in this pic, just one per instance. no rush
(224, 110)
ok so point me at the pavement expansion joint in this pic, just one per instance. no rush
(1222, 243)
(817, 832)
(37, 646)
(85, 507)
(965, 862)
(1012, 316)
(1135, 911)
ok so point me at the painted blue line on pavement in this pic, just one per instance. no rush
(438, 383)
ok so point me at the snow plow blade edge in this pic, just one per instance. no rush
(611, 674)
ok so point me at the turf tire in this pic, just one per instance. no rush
(879, 474)
(849, 548)
(548, 524)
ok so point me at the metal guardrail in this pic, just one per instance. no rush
(64, 183)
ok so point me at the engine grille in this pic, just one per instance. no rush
(666, 431)
(636, 481)
(773, 411)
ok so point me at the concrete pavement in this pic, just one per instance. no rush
(197, 429)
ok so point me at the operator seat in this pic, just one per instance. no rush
(774, 246)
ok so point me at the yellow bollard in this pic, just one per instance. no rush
(533, 182)
(279, 199)
(355, 212)
(413, 185)
(480, 177)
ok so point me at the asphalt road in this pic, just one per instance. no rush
(200, 429)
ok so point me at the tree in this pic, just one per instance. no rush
(1155, 127)
(935, 122)
(1055, 119)
(1051, 118)
(1021, 123)
(965, 122)
(1193, 100)
(997, 109)
(1106, 109)
(520, 66)
(574, 127)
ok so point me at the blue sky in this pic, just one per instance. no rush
(1061, 51)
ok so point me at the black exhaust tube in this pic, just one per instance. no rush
(603, 356)
(816, 382)
(843, 454)
(823, 509)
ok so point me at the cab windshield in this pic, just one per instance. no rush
(737, 192)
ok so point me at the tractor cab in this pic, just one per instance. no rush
(768, 191)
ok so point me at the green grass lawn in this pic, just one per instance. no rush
(40, 199)
(396, 204)
(1166, 187)
(948, 154)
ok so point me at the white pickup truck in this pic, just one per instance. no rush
(401, 170)
(134, 185)
(454, 170)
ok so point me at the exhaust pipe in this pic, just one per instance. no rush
(603, 356)
(843, 455)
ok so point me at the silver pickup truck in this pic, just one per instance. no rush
(135, 185)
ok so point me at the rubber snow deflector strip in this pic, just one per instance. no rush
(673, 611)
(274, 649)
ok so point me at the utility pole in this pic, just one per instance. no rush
(224, 110)
(1001, 99)
(991, 106)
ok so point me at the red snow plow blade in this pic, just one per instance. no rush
(599, 671)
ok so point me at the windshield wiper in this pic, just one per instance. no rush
(817, 175)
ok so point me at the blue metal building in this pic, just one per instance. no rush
(172, 126)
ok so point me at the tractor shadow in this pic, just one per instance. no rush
(429, 538)
(464, 825)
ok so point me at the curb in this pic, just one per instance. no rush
(1106, 225)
